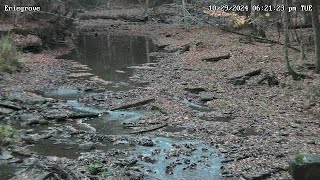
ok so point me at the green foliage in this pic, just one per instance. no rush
(97, 168)
(7, 135)
(237, 21)
(299, 157)
(9, 55)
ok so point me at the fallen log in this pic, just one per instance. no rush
(150, 129)
(258, 38)
(217, 58)
(134, 104)
(83, 115)
(246, 73)
(271, 80)
(301, 26)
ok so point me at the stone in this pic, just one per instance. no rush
(195, 90)
(257, 176)
(146, 142)
(9, 105)
(149, 159)
(305, 166)
(29, 43)
(4, 111)
(27, 98)
(79, 75)
(43, 122)
(29, 118)
(57, 114)
(5, 155)
(215, 116)
(238, 82)
(88, 146)
(134, 175)
(100, 81)
(207, 96)
(125, 162)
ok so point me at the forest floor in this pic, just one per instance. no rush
(255, 127)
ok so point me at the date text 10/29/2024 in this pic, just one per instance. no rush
(259, 8)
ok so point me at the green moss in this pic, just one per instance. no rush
(299, 158)
(9, 55)
(43, 122)
(97, 168)
(155, 108)
(7, 135)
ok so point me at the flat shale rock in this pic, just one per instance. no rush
(5, 111)
(215, 116)
(5, 155)
(27, 98)
(79, 75)
(206, 96)
(257, 176)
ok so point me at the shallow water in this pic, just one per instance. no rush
(113, 122)
(63, 93)
(207, 164)
(51, 148)
(109, 57)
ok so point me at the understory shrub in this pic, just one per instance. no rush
(9, 55)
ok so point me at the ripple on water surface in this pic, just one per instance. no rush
(190, 160)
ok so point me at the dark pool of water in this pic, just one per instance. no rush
(109, 56)
(51, 148)
(7, 171)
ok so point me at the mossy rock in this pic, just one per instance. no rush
(305, 166)
(43, 122)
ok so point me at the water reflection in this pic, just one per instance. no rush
(109, 56)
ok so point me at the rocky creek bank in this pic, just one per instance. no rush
(199, 106)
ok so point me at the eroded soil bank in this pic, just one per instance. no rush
(172, 112)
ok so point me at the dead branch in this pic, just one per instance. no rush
(217, 58)
(257, 38)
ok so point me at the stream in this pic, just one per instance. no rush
(109, 58)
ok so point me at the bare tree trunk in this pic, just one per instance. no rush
(291, 72)
(146, 10)
(316, 32)
(184, 8)
(147, 50)
(253, 13)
